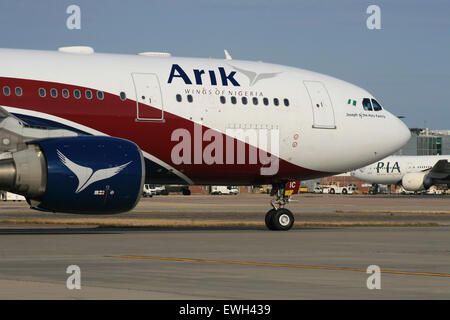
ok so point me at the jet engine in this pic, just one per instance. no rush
(416, 181)
(84, 174)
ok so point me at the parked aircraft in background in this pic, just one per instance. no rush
(414, 173)
(81, 132)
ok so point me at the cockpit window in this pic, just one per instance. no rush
(376, 105)
(366, 104)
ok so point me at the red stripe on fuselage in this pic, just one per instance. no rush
(116, 118)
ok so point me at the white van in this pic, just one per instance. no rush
(224, 190)
(9, 196)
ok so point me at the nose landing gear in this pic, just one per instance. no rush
(279, 218)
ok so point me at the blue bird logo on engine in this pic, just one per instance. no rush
(86, 176)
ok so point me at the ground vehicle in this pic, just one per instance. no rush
(434, 190)
(152, 190)
(336, 189)
(165, 190)
(148, 191)
(303, 190)
(404, 191)
(224, 190)
(353, 189)
(318, 189)
(9, 196)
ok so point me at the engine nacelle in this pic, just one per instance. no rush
(77, 174)
(416, 181)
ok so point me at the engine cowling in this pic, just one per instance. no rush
(96, 175)
(416, 181)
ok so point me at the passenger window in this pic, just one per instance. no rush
(286, 102)
(88, 94)
(189, 97)
(178, 96)
(18, 91)
(244, 100)
(54, 93)
(123, 96)
(100, 95)
(376, 105)
(222, 99)
(233, 100)
(77, 94)
(367, 105)
(255, 101)
(6, 91)
(42, 92)
(65, 93)
(276, 102)
(266, 101)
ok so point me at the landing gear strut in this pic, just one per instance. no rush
(373, 189)
(279, 218)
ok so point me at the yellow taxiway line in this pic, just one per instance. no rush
(261, 264)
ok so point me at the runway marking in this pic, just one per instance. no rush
(262, 264)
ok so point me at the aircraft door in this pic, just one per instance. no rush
(149, 104)
(323, 113)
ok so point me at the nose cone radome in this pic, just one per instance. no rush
(401, 135)
(358, 174)
(391, 135)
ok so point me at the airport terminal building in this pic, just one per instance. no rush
(427, 142)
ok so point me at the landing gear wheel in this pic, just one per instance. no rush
(279, 218)
(282, 220)
(269, 215)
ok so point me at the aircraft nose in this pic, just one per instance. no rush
(357, 173)
(401, 133)
(392, 136)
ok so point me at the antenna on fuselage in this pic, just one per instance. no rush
(227, 55)
(77, 49)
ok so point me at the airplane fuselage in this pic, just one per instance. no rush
(392, 169)
(313, 125)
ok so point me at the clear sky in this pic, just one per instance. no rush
(405, 64)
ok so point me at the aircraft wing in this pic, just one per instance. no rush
(441, 170)
(19, 132)
(4, 113)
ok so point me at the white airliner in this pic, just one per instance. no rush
(81, 132)
(414, 173)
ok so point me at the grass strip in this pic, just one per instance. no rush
(115, 222)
